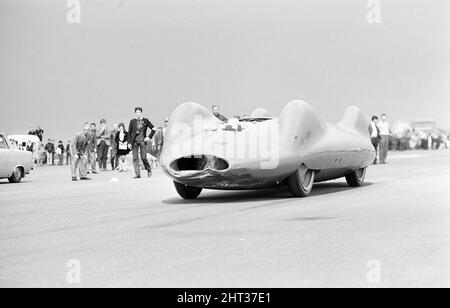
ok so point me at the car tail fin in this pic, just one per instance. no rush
(354, 120)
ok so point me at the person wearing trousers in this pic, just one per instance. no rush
(60, 153)
(50, 150)
(103, 143)
(385, 132)
(114, 159)
(92, 143)
(79, 149)
(68, 153)
(137, 140)
(374, 132)
(122, 148)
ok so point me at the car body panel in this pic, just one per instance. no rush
(10, 158)
(263, 152)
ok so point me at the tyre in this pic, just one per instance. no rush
(16, 177)
(301, 182)
(187, 192)
(356, 178)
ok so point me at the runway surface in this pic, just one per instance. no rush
(392, 232)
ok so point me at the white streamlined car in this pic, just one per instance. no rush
(14, 163)
(202, 152)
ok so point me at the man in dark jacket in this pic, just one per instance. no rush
(39, 133)
(79, 148)
(50, 149)
(137, 139)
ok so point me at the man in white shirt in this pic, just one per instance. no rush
(374, 132)
(385, 132)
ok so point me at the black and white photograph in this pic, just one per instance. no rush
(222, 150)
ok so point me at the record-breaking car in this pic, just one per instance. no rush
(297, 149)
(14, 163)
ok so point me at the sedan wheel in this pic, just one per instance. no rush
(16, 177)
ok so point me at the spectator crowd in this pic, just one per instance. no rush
(402, 137)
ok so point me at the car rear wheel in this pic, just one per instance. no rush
(186, 191)
(301, 182)
(16, 177)
(356, 178)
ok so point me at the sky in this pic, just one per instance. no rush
(238, 54)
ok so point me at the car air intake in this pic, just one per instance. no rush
(199, 163)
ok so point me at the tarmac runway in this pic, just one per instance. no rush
(392, 232)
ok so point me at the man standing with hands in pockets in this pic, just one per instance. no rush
(104, 141)
(137, 139)
(385, 132)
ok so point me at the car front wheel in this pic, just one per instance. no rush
(301, 182)
(16, 177)
(186, 191)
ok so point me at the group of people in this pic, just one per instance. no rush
(414, 139)
(55, 151)
(38, 131)
(384, 139)
(93, 144)
(104, 143)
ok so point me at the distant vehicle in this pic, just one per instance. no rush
(424, 125)
(23, 141)
(14, 163)
(202, 152)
